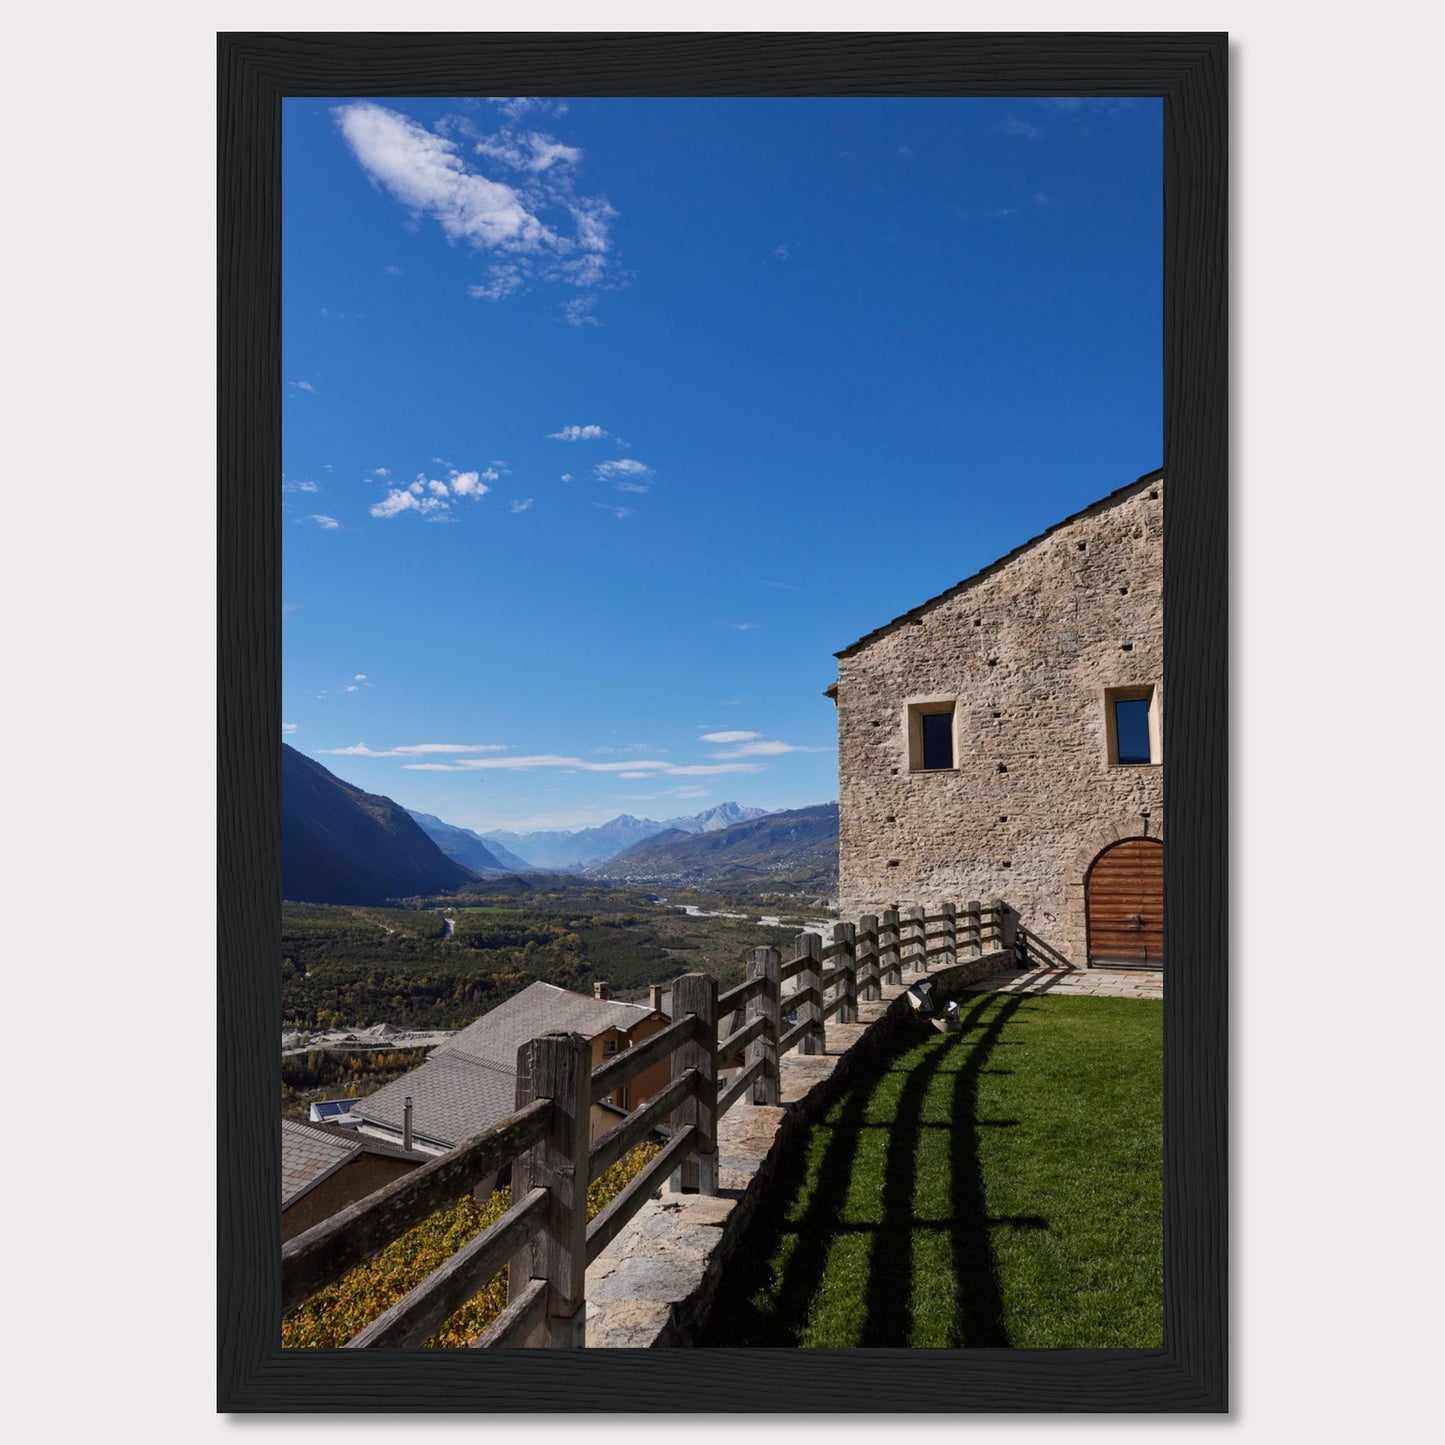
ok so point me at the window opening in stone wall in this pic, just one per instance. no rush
(1133, 726)
(930, 736)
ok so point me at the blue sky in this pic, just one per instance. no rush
(607, 422)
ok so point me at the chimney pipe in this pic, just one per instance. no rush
(599, 990)
(406, 1122)
(654, 997)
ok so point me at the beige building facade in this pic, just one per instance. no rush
(1005, 739)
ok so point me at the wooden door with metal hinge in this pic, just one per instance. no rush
(1124, 896)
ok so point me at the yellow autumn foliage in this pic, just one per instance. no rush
(333, 1315)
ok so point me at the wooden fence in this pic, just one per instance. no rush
(545, 1236)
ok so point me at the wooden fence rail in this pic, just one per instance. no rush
(544, 1238)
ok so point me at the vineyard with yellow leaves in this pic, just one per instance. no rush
(333, 1315)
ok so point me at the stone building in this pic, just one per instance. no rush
(1004, 740)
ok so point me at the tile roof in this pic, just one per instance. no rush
(309, 1152)
(469, 1083)
(540, 1008)
(453, 1098)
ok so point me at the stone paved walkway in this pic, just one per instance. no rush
(668, 1257)
(1108, 983)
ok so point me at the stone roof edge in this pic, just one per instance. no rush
(1113, 497)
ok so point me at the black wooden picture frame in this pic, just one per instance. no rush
(255, 72)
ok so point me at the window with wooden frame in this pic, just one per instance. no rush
(1132, 724)
(931, 746)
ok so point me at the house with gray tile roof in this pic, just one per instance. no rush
(324, 1169)
(469, 1084)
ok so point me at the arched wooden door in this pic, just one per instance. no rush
(1124, 893)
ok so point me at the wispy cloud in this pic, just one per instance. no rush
(393, 270)
(621, 513)
(288, 728)
(577, 434)
(1014, 125)
(638, 768)
(633, 487)
(622, 467)
(520, 504)
(729, 737)
(327, 524)
(303, 386)
(568, 477)
(533, 226)
(516, 106)
(783, 253)
(411, 750)
(743, 626)
(765, 748)
(578, 311)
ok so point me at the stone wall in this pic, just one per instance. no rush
(1026, 651)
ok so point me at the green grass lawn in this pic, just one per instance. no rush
(998, 1187)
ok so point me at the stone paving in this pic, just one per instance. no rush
(1098, 982)
(647, 1288)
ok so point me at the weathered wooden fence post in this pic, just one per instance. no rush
(810, 1011)
(972, 934)
(764, 963)
(557, 1066)
(950, 934)
(916, 946)
(696, 993)
(992, 926)
(868, 957)
(888, 953)
(845, 935)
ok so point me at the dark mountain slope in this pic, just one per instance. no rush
(341, 845)
(461, 845)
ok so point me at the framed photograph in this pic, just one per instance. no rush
(757, 412)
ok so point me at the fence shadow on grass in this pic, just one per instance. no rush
(768, 1294)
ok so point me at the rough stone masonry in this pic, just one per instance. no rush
(1028, 658)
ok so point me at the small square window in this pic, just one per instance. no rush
(930, 736)
(609, 1046)
(1133, 726)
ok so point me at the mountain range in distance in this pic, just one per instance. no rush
(797, 848)
(343, 845)
(563, 851)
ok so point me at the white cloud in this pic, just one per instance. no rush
(307, 487)
(531, 227)
(619, 512)
(288, 728)
(576, 434)
(633, 487)
(351, 687)
(438, 489)
(633, 768)
(532, 151)
(567, 477)
(360, 750)
(578, 311)
(623, 467)
(520, 504)
(783, 253)
(381, 472)
(396, 502)
(766, 749)
(729, 737)
(360, 677)
(392, 270)
(513, 106)
(303, 386)
(745, 626)
(327, 524)
(423, 171)
(470, 484)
